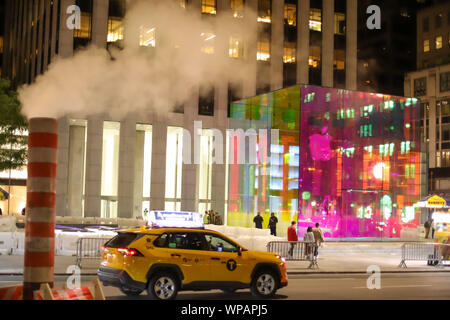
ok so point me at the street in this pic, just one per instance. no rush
(403, 286)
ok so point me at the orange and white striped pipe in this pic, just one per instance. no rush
(40, 208)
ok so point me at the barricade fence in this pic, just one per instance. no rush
(89, 249)
(434, 253)
(295, 251)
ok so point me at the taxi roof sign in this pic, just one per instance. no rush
(175, 219)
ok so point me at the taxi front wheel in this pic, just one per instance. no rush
(264, 284)
(163, 286)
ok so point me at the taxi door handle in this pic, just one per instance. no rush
(214, 258)
(175, 255)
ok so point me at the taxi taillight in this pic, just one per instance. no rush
(130, 252)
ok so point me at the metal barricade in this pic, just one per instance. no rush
(89, 249)
(295, 251)
(434, 253)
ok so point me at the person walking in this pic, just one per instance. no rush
(217, 219)
(432, 228)
(427, 226)
(1, 212)
(258, 220)
(206, 218)
(318, 236)
(292, 236)
(273, 224)
(310, 241)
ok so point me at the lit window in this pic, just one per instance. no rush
(174, 168)
(314, 57)
(115, 29)
(110, 169)
(290, 52)
(339, 23)
(85, 27)
(263, 50)
(209, 6)
(426, 46)
(264, 11)
(205, 169)
(290, 14)
(439, 42)
(339, 60)
(315, 19)
(236, 49)
(237, 6)
(208, 42)
(147, 37)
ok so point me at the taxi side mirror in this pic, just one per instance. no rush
(239, 251)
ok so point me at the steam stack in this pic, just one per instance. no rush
(40, 208)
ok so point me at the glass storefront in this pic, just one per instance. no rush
(348, 160)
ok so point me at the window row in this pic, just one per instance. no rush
(420, 84)
(438, 43)
(438, 21)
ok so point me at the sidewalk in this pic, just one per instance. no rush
(334, 257)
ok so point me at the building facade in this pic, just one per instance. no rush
(431, 83)
(118, 168)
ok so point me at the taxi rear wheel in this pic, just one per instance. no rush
(131, 292)
(264, 284)
(163, 286)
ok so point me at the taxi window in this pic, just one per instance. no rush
(181, 240)
(219, 244)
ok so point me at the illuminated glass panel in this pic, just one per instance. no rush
(208, 41)
(115, 29)
(290, 14)
(263, 50)
(142, 169)
(205, 170)
(348, 160)
(237, 7)
(339, 23)
(174, 167)
(290, 52)
(147, 36)
(209, 6)
(439, 42)
(264, 11)
(236, 49)
(110, 169)
(426, 46)
(315, 19)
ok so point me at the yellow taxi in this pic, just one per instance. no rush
(164, 261)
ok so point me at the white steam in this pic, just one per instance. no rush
(141, 78)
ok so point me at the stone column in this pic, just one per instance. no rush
(138, 172)
(126, 169)
(250, 21)
(303, 42)
(351, 62)
(277, 45)
(327, 43)
(100, 23)
(94, 151)
(432, 88)
(65, 34)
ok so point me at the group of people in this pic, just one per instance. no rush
(273, 220)
(212, 217)
(313, 237)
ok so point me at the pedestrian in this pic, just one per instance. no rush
(273, 224)
(218, 219)
(206, 218)
(427, 226)
(318, 236)
(1, 212)
(432, 228)
(258, 220)
(292, 236)
(309, 240)
(23, 211)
